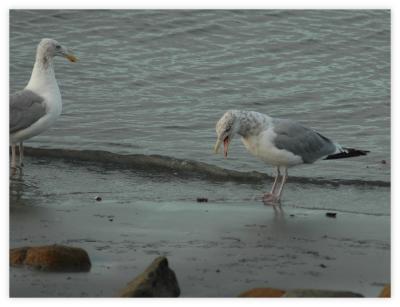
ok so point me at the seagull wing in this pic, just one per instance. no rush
(301, 141)
(26, 107)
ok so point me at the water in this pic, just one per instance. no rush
(156, 82)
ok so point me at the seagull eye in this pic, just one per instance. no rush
(58, 47)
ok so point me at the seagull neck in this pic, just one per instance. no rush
(43, 77)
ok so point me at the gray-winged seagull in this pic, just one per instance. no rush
(282, 143)
(38, 105)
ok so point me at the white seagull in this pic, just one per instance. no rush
(38, 105)
(282, 143)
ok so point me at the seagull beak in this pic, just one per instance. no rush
(217, 146)
(71, 57)
(68, 54)
(226, 145)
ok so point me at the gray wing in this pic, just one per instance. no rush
(302, 141)
(26, 107)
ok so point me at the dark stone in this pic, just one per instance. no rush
(202, 199)
(98, 198)
(331, 214)
(158, 280)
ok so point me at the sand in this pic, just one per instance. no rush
(218, 248)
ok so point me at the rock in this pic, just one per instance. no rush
(98, 198)
(202, 199)
(263, 292)
(18, 255)
(56, 258)
(320, 293)
(158, 280)
(385, 291)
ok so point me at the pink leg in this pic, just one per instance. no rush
(278, 196)
(13, 160)
(278, 174)
(274, 197)
(269, 197)
(21, 154)
(13, 156)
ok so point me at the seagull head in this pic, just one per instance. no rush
(49, 48)
(226, 128)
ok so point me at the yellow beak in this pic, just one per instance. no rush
(71, 57)
(217, 146)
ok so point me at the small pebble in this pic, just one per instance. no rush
(322, 265)
(111, 220)
(331, 214)
(383, 161)
(202, 199)
(217, 270)
(98, 198)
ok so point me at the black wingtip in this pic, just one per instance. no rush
(348, 153)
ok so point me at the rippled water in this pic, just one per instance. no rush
(156, 82)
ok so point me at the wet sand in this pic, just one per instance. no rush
(217, 249)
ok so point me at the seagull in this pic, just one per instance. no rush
(38, 105)
(282, 143)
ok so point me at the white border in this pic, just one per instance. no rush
(192, 4)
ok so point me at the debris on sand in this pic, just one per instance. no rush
(57, 258)
(331, 214)
(158, 280)
(202, 200)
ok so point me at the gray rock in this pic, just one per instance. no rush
(320, 293)
(158, 280)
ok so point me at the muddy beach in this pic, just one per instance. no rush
(218, 248)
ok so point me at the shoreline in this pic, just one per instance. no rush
(220, 248)
(185, 167)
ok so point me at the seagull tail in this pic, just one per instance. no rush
(347, 153)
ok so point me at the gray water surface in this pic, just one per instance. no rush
(156, 82)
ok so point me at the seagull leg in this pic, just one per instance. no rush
(278, 174)
(21, 154)
(13, 156)
(269, 198)
(278, 196)
(13, 159)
